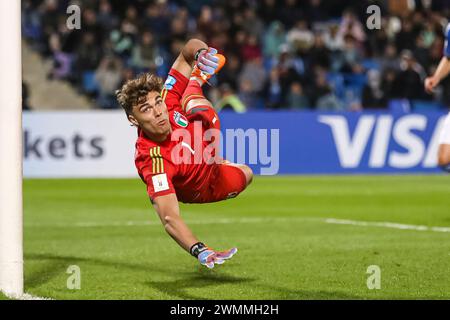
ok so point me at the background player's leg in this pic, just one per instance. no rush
(444, 157)
(444, 146)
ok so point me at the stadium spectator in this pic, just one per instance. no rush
(87, 57)
(319, 53)
(61, 60)
(106, 18)
(229, 72)
(109, 77)
(322, 96)
(334, 41)
(290, 11)
(316, 11)
(248, 95)
(296, 98)
(145, 53)
(268, 11)
(408, 82)
(300, 38)
(296, 37)
(351, 26)
(253, 72)
(406, 37)
(388, 82)
(251, 48)
(274, 38)
(349, 59)
(390, 59)
(373, 96)
(274, 91)
(252, 24)
(229, 100)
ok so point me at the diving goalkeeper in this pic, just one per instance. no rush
(165, 162)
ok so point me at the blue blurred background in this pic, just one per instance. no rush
(345, 98)
(282, 54)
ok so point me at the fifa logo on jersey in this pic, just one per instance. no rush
(160, 182)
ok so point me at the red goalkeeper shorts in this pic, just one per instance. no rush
(225, 182)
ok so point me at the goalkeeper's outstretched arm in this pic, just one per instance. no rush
(169, 212)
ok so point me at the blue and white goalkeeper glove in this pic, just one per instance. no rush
(207, 61)
(209, 257)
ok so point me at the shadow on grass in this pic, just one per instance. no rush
(53, 265)
(202, 279)
(50, 266)
(178, 289)
(282, 293)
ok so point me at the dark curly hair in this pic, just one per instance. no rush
(133, 92)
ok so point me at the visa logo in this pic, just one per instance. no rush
(384, 129)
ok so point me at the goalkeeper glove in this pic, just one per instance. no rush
(209, 257)
(207, 61)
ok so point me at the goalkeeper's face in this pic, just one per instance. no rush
(151, 116)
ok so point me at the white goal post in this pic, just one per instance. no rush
(11, 232)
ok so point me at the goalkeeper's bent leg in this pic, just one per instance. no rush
(197, 107)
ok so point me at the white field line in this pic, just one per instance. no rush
(390, 225)
(25, 296)
(384, 224)
(158, 223)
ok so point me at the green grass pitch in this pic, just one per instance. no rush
(287, 250)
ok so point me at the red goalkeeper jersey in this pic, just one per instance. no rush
(170, 166)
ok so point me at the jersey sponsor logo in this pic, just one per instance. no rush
(157, 160)
(160, 182)
(180, 120)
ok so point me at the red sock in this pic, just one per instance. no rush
(193, 91)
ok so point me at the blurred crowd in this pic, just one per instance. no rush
(281, 54)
